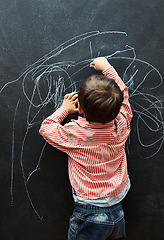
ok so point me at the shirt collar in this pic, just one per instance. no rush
(84, 123)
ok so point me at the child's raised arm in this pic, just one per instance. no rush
(102, 64)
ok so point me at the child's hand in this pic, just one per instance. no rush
(69, 103)
(100, 64)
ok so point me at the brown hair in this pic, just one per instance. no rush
(100, 99)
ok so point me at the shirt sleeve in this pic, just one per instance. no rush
(125, 109)
(53, 132)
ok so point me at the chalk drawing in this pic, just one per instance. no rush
(57, 78)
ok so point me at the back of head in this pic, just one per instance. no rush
(100, 99)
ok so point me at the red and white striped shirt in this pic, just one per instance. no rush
(97, 162)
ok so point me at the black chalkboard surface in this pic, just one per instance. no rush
(46, 48)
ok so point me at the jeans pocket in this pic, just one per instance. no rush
(100, 218)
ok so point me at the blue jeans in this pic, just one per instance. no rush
(90, 222)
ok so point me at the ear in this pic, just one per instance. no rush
(80, 109)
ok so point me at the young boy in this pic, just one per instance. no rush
(95, 146)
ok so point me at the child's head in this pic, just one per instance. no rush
(100, 98)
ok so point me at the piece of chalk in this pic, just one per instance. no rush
(91, 65)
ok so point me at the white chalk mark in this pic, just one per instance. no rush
(12, 157)
(91, 52)
(57, 51)
(38, 164)
(148, 64)
(24, 178)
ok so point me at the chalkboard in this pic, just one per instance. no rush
(46, 48)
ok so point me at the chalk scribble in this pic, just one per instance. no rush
(50, 79)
